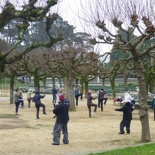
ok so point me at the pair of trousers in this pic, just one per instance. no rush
(29, 101)
(125, 123)
(100, 103)
(54, 98)
(38, 109)
(77, 97)
(89, 108)
(17, 106)
(57, 131)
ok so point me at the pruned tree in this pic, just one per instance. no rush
(27, 13)
(135, 19)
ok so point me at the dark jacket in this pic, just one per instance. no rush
(101, 94)
(153, 104)
(37, 97)
(127, 111)
(89, 99)
(54, 91)
(61, 112)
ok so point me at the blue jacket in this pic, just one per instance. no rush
(37, 97)
(54, 91)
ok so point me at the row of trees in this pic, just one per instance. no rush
(129, 26)
(132, 28)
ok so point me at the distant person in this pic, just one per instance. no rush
(101, 98)
(62, 118)
(127, 117)
(153, 106)
(37, 100)
(90, 104)
(54, 93)
(128, 98)
(59, 94)
(29, 98)
(21, 98)
(77, 94)
(118, 99)
(17, 100)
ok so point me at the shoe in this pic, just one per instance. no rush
(128, 132)
(37, 118)
(16, 113)
(121, 132)
(55, 144)
(66, 142)
(44, 113)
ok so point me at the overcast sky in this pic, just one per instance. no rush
(71, 11)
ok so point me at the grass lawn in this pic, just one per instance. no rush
(146, 149)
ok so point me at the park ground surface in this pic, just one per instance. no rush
(23, 134)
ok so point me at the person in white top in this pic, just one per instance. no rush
(128, 98)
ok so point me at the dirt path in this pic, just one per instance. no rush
(25, 135)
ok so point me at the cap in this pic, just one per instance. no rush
(61, 98)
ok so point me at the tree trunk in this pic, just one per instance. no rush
(125, 81)
(86, 87)
(81, 88)
(53, 81)
(12, 83)
(103, 81)
(69, 92)
(36, 82)
(44, 82)
(143, 110)
(112, 82)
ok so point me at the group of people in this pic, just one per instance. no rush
(61, 109)
(100, 96)
(18, 99)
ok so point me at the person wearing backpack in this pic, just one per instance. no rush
(153, 106)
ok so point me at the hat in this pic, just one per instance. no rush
(61, 98)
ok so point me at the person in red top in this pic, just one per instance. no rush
(90, 104)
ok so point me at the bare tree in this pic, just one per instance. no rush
(127, 25)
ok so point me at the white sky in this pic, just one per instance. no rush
(71, 11)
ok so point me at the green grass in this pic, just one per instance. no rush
(146, 149)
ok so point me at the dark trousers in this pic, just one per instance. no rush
(38, 109)
(89, 108)
(22, 102)
(77, 97)
(57, 131)
(17, 106)
(154, 113)
(125, 123)
(100, 103)
(54, 98)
